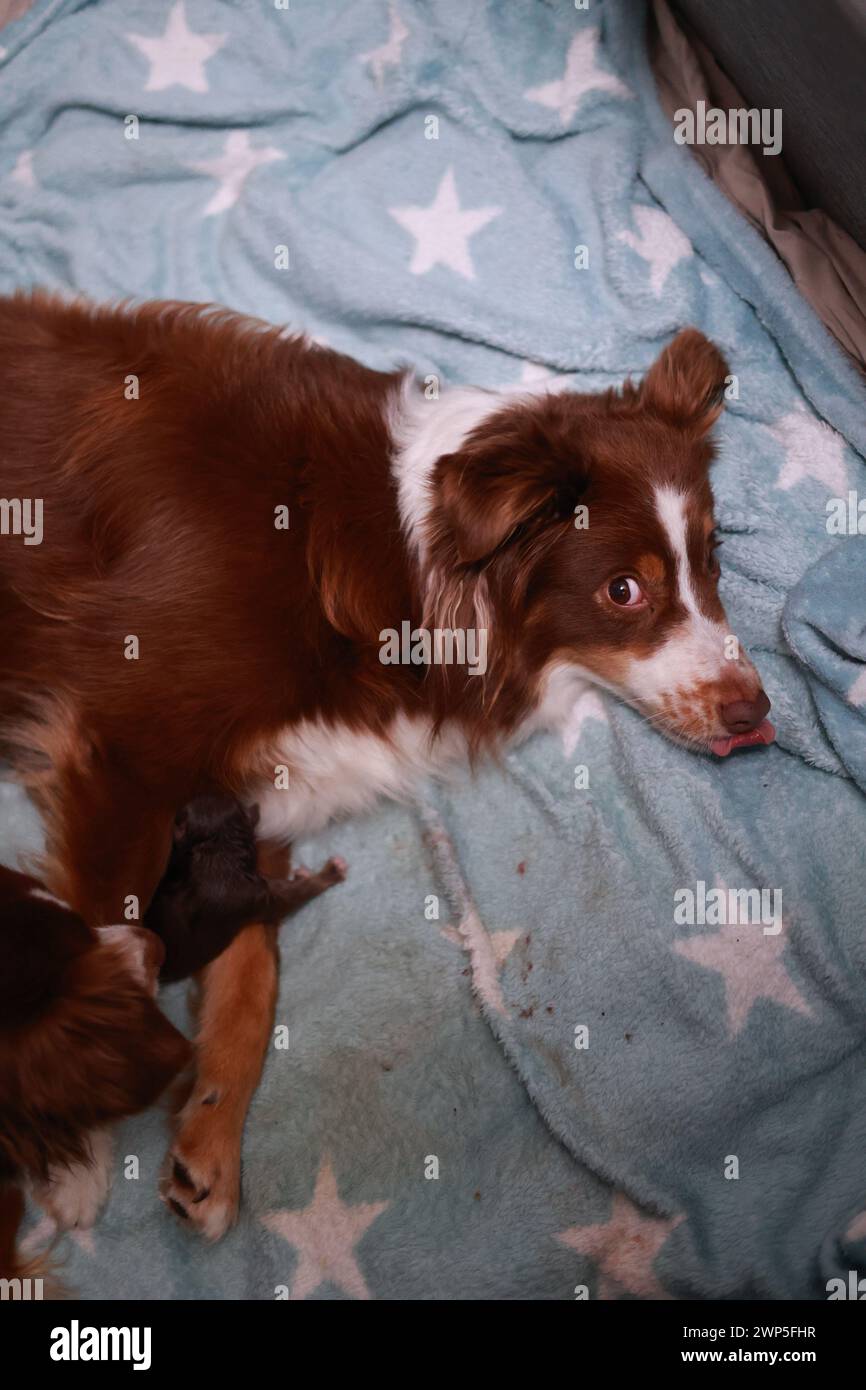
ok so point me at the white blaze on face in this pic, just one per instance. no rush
(694, 653)
(671, 512)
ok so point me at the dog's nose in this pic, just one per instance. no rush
(742, 715)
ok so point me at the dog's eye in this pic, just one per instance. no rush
(625, 592)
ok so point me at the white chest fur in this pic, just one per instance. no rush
(323, 771)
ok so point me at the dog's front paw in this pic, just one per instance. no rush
(73, 1196)
(202, 1177)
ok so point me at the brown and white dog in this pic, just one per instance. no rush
(82, 1044)
(231, 520)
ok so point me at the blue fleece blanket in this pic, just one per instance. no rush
(592, 1022)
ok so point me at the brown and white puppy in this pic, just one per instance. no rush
(221, 563)
(82, 1044)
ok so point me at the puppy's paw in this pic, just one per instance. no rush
(201, 1180)
(334, 871)
(331, 872)
(73, 1196)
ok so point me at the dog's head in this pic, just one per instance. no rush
(216, 824)
(82, 1041)
(581, 529)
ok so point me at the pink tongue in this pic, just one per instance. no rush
(765, 733)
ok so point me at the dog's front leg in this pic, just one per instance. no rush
(74, 1194)
(201, 1182)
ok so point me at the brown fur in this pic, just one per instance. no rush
(81, 1044)
(159, 523)
(239, 991)
(212, 886)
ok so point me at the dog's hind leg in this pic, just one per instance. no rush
(108, 833)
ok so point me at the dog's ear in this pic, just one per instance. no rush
(490, 488)
(126, 1051)
(87, 1047)
(686, 384)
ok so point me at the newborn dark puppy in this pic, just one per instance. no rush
(212, 886)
